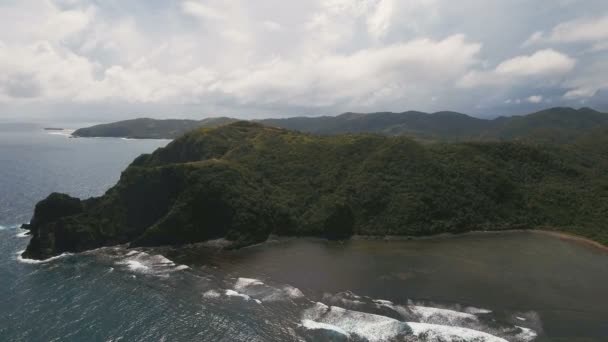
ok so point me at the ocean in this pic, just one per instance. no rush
(518, 286)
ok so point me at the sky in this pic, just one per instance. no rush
(96, 61)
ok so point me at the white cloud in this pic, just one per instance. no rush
(589, 29)
(395, 70)
(323, 55)
(201, 11)
(378, 23)
(535, 99)
(544, 63)
(271, 25)
(588, 82)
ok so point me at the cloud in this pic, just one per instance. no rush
(535, 99)
(590, 29)
(542, 64)
(287, 58)
(394, 70)
(588, 83)
(201, 11)
(271, 25)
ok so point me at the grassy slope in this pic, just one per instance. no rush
(244, 181)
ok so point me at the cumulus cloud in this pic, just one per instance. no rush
(321, 56)
(588, 83)
(589, 29)
(544, 63)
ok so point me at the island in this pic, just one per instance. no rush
(245, 181)
(552, 125)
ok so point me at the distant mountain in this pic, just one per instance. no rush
(551, 125)
(145, 128)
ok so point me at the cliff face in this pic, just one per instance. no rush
(244, 181)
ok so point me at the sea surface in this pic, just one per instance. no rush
(475, 287)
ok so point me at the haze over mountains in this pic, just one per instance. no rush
(554, 125)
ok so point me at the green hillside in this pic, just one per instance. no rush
(244, 181)
(145, 128)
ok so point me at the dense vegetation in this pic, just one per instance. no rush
(146, 128)
(551, 125)
(244, 181)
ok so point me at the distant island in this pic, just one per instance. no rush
(554, 125)
(243, 181)
(53, 129)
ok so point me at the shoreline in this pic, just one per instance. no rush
(553, 233)
(221, 243)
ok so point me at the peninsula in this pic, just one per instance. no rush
(244, 181)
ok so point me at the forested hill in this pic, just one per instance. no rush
(145, 128)
(551, 125)
(244, 181)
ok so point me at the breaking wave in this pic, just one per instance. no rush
(21, 259)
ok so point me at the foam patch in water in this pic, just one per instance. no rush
(15, 226)
(142, 262)
(23, 234)
(211, 294)
(63, 132)
(20, 258)
(425, 321)
(257, 289)
(434, 332)
(315, 330)
(232, 293)
(363, 325)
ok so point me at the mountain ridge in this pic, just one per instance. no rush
(553, 125)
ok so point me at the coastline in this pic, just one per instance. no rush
(554, 233)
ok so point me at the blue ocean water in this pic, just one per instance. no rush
(478, 287)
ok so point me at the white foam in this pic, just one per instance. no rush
(63, 132)
(434, 332)
(374, 327)
(232, 293)
(477, 311)
(383, 302)
(242, 283)
(526, 334)
(9, 227)
(20, 258)
(292, 292)
(257, 289)
(142, 262)
(136, 266)
(24, 234)
(445, 316)
(211, 294)
(369, 326)
(521, 318)
(312, 325)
